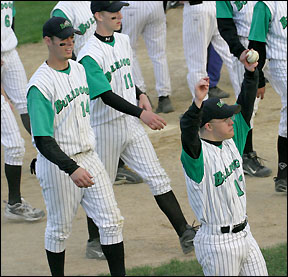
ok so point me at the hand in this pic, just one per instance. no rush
(201, 90)
(243, 59)
(152, 120)
(144, 102)
(82, 178)
(260, 92)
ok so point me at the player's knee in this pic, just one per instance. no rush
(14, 155)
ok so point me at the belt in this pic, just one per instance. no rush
(236, 228)
(195, 2)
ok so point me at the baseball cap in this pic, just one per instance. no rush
(108, 6)
(215, 108)
(59, 27)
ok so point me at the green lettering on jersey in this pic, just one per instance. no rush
(220, 177)
(283, 22)
(239, 4)
(58, 106)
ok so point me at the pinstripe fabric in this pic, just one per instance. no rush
(199, 29)
(10, 136)
(125, 137)
(147, 18)
(81, 17)
(62, 198)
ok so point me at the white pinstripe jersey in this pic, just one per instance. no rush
(277, 34)
(81, 17)
(69, 96)
(8, 38)
(115, 61)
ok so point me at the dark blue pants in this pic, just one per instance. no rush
(214, 65)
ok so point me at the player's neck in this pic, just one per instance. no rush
(102, 31)
(57, 64)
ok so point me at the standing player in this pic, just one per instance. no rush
(234, 21)
(14, 81)
(80, 16)
(68, 168)
(199, 30)
(147, 18)
(213, 142)
(108, 59)
(268, 36)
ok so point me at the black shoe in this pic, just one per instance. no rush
(280, 184)
(217, 92)
(253, 166)
(127, 176)
(164, 105)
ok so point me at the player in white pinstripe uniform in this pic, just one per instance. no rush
(68, 168)
(234, 21)
(212, 145)
(147, 18)
(268, 35)
(13, 80)
(199, 29)
(108, 58)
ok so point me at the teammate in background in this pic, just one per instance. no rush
(234, 21)
(214, 66)
(268, 36)
(79, 14)
(199, 30)
(108, 59)
(68, 168)
(213, 137)
(13, 82)
(147, 18)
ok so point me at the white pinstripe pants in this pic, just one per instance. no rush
(229, 254)
(62, 198)
(125, 137)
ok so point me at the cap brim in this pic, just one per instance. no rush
(117, 6)
(68, 32)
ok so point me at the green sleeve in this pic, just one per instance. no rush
(194, 168)
(59, 13)
(96, 79)
(41, 113)
(241, 130)
(13, 9)
(224, 9)
(260, 22)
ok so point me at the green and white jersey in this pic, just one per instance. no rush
(240, 11)
(113, 62)
(215, 181)
(80, 16)
(58, 105)
(8, 37)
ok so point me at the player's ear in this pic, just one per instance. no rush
(208, 126)
(47, 40)
(98, 16)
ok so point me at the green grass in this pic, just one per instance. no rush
(29, 19)
(275, 257)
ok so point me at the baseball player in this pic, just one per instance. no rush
(213, 137)
(108, 59)
(68, 168)
(80, 16)
(199, 29)
(268, 36)
(147, 18)
(234, 21)
(13, 82)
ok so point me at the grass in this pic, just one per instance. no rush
(29, 19)
(275, 257)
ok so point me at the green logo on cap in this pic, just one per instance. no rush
(220, 104)
(65, 24)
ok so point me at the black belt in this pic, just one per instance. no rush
(236, 228)
(195, 2)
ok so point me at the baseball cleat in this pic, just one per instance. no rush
(280, 185)
(217, 92)
(22, 211)
(164, 105)
(127, 176)
(253, 167)
(94, 250)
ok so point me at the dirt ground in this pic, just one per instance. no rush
(148, 236)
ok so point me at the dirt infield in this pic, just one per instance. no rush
(148, 236)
